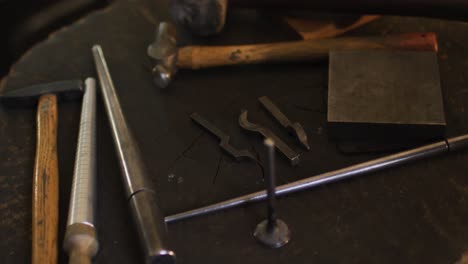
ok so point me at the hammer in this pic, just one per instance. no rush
(45, 177)
(207, 17)
(197, 57)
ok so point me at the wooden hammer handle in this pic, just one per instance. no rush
(195, 57)
(45, 184)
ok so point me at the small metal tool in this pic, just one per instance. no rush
(139, 192)
(80, 236)
(294, 128)
(437, 148)
(272, 232)
(238, 154)
(287, 151)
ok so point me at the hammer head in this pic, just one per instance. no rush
(202, 17)
(164, 51)
(29, 94)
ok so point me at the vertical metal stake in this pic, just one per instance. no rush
(272, 232)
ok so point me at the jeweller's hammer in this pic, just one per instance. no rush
(169, 58)
(45, 179)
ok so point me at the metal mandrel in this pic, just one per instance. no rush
(149, 220)
(80, 237)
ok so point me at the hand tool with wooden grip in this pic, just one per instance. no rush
(197, 57)
(206, 17)
(45, 178)
(80, 236)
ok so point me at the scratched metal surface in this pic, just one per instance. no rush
(414, 214)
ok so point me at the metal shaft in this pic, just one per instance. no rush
(141, 196)
(386, 162)
(272, 232)
(271, 183)
(80, 238)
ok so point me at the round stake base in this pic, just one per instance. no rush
(275, 238)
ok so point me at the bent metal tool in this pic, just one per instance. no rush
(238, 154)
(272, 232)
(280, 145)
(431, 150)
(80, 236)
(140, 194)
(294, 128)
(45, 201)
(169, 58)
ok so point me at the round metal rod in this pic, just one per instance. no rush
(337, 175)
(271, 184)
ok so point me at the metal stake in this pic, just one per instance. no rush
(272, 232)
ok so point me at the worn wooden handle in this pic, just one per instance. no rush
(195, 57)
(45, 184)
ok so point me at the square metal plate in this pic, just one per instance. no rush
(390, 95)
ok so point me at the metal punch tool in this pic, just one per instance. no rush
(294, 128)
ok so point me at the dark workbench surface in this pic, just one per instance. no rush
(412, 214)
